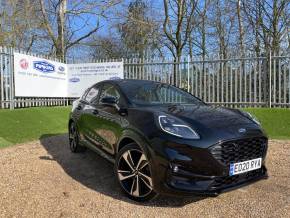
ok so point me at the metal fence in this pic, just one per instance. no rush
(235, 82)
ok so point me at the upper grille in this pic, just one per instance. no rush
(239, 150)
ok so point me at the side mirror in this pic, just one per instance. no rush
(109, 101)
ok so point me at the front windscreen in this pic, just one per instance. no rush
(150, 93)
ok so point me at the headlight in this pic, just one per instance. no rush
(251, 117)
(176, 127)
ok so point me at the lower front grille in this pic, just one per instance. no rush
(228, 181)
(239, 150)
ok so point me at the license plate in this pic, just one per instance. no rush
(245, 166)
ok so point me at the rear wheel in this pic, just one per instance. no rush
(134, 174)
(74, 144)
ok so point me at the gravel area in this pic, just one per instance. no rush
(44, 179)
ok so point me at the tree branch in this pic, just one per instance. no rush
(83, 37)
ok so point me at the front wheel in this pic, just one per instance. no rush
(134, 174)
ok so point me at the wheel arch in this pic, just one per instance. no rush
(133, 137)
(125, 141)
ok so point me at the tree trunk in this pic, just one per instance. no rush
(276, 36)
(176, 67)
(241, 29)
(190, 46)
(60, 49)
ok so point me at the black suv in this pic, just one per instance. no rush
(163, 140)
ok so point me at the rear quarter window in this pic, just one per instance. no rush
(92, 94)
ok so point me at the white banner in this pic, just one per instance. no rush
(37, 77)
(81, 76)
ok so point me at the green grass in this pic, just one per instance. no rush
(23, 125)
(276, 121)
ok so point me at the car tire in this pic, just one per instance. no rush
(74, 143)
(133, 172)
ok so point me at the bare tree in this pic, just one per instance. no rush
(267, 18)
(241, 28)
(139, 31)
(199, 35)
(18, 24)
(177, 24)
(108, 47)
(57, 21)
(286, 34)
(60, 27)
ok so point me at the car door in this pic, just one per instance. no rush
(108, 122)
(87, 114)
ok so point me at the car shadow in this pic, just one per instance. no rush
(96, 173)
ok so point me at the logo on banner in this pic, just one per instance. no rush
(23, 64)
(74, 80)
(61, 68)
(43, 66)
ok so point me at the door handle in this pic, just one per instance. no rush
(95, 112)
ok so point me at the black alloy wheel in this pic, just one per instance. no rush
(134, 174)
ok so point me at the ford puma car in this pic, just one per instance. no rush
(163, 140)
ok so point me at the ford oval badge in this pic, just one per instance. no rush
(242, 130)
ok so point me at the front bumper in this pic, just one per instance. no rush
(178, 184)
(186, 170)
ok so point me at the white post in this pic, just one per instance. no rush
(11, 74)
